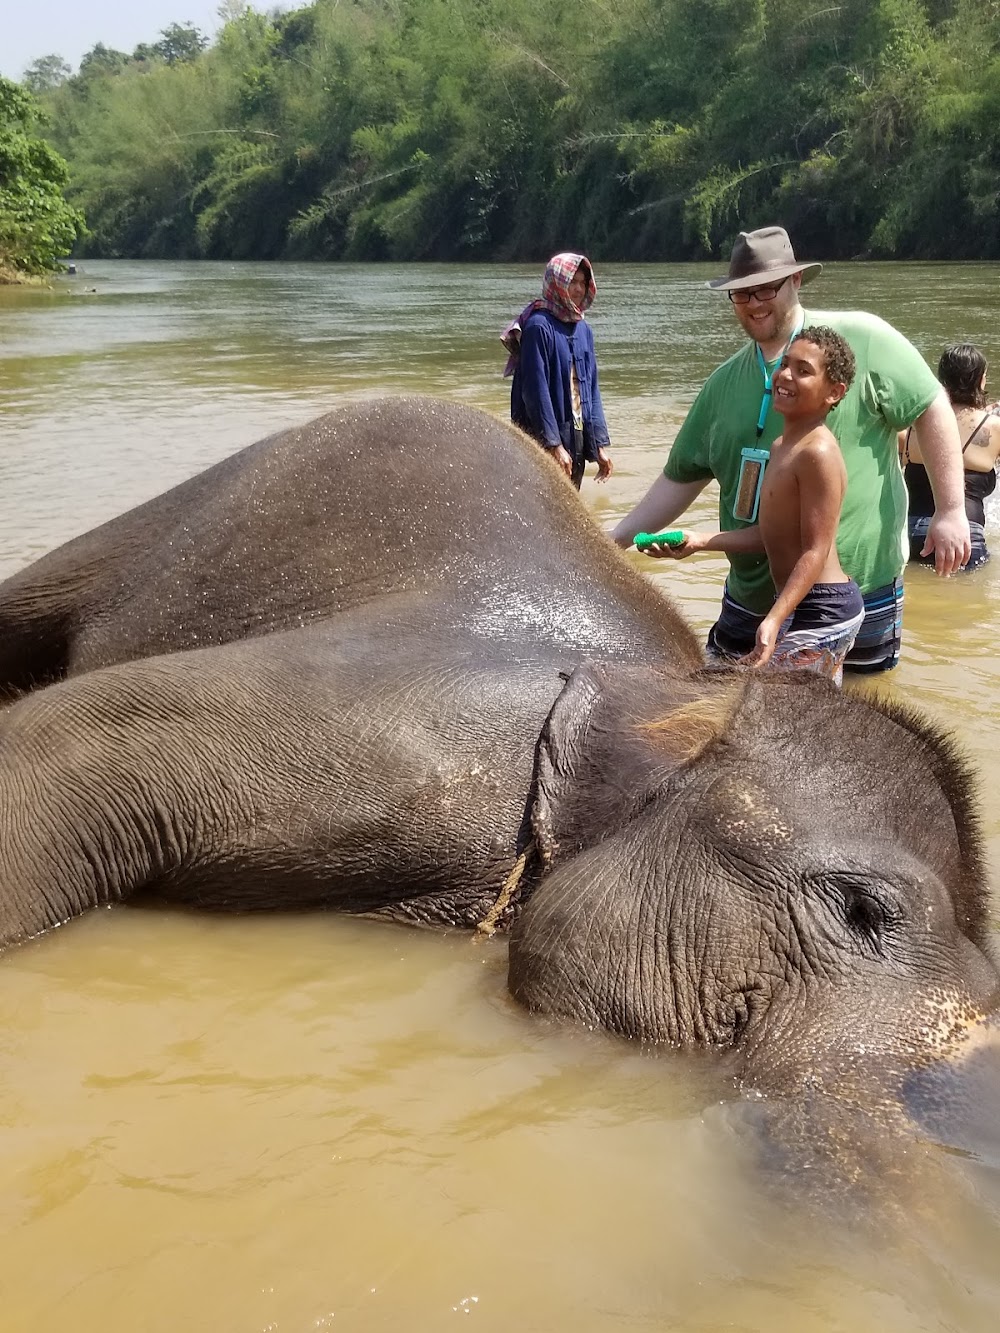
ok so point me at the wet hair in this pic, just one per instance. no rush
(838, 359)
(961, 370)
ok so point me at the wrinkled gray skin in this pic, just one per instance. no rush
(364, 664)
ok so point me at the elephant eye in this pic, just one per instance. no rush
(869, 909)
(865, 914)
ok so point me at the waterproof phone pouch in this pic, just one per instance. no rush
(752, 464)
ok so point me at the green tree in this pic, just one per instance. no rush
(37, 225)
(180, 42)
(647, 129)
(46, 73)
(101, 61)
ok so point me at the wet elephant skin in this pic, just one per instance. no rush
(386, 663)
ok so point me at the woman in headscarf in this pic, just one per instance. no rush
(555, 397)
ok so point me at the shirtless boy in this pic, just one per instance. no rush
(818, 609)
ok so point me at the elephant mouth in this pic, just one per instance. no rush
(953, 1101)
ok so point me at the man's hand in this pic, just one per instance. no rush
(941, 449)
(605, 467)
(948, 540)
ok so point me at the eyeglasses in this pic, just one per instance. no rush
(761, 293)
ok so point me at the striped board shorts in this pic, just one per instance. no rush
(876, 647)
(822, 630)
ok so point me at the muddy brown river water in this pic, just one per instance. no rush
(291, 1124)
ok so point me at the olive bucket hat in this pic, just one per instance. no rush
(762, 256)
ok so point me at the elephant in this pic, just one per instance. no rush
(386, 663)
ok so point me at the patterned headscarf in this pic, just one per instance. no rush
(559, 273)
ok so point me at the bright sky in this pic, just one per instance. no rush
(71, 28)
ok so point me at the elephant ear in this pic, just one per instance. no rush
(616, 737)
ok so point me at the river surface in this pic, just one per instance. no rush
(291, 1124)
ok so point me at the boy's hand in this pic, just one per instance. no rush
(605, 467)
(767, 637)
(692, 543)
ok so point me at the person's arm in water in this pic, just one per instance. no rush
(536, 365)
(821, 481)
(941, 451)
(664, 502)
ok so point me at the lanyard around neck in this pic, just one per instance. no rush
(765, 402)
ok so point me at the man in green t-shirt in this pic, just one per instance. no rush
(732, 416)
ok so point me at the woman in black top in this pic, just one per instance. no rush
(962, 371)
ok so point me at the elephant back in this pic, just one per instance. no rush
(380, 497)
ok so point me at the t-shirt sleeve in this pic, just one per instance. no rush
(903, 383)
(689, 453)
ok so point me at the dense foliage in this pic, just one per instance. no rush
(476, 129)
(37, 225)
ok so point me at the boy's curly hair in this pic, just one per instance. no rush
(838, 359)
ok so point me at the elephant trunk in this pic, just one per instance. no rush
(111, 813)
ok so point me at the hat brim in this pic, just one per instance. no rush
(808, 271)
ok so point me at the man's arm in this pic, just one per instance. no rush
(664, 502)
(941, 450)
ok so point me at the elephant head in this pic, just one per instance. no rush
(773, 869)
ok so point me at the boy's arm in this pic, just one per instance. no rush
(742, 541)
(821, 480)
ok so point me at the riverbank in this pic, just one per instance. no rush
(15, 277)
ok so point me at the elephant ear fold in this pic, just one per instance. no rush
(615, 738)
(561, 761)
